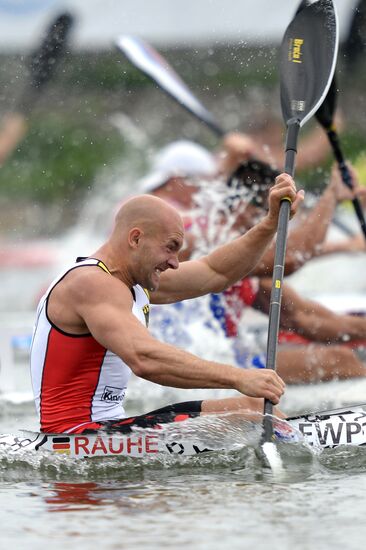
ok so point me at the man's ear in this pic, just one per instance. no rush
(134, 237)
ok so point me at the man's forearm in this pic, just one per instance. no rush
(311, 230)
(170, 366)
(237, 259)
(304, 240)
(167, 365)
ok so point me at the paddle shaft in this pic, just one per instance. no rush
(293, 127)
(215, 128)
(308, 54)
(346, 175)
(325, 116)
(151, 63)
(211, 124)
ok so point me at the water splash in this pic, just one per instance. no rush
(231, 437)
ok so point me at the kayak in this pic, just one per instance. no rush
(258, 332)
(325, 429)
(330, 429)
(291, 338)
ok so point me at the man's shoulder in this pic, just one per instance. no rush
(89, 281)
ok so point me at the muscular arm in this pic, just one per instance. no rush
(357, 242)
(353, 244)
(12, 131)
(216, 271)
(228, 263)
(102, 304)
(313, 147)
(306, 238)
(236, 148)
(309, 318)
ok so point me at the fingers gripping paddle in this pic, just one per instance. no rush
(325, 116)
(308, 56)
(149, 61)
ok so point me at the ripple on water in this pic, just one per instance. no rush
(345, 458)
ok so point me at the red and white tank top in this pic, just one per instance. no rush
(75, 379)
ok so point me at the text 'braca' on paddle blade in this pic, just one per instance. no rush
(308, 57)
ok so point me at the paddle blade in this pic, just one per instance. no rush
(303, 4)
(150, 62)
(308, 57)
(354, 46)
(326, 110)
(45, 59)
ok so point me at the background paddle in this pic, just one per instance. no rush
(308, 56)
(354, 45)
(43, 64)
(325, 116)
(150, 62)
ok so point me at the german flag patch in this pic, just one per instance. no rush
(61, 445)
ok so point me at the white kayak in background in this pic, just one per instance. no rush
(326, 429)
(347, 302)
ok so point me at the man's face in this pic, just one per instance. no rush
(159, 252)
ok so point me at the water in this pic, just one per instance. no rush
(221, 500)
(225, 501)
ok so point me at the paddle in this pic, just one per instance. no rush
(43, 64)
(150, 62)
(325, 116)
(354, 43)
(308, 56)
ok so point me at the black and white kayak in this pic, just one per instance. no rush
(329, 429)
(325, 429)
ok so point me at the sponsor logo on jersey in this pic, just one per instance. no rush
(146, 312)
(112, 394)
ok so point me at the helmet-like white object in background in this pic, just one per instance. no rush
(180, 159)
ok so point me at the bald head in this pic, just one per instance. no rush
(146, 239)
(147, 212)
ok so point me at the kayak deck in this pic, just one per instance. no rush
(325, 429)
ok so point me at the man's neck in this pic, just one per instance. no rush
(121, 272)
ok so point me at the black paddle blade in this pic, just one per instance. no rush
(325, 113)
(303, 4)
(150, 62)
(45, 59)
(354, 46)
(308, 56)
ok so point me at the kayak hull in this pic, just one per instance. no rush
(325, 429)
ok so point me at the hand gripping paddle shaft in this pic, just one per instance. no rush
(308, 57)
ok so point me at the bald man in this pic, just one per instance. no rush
(91, 328)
